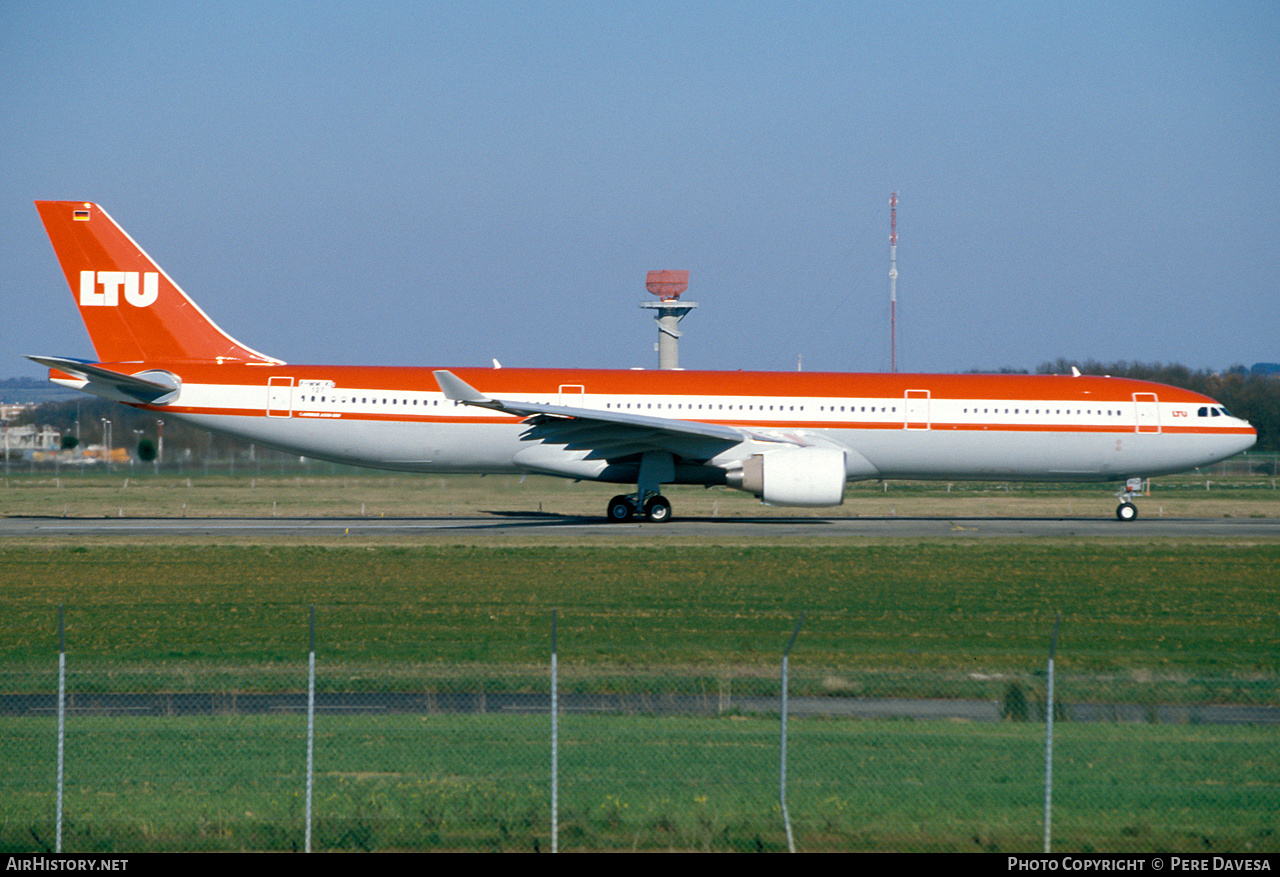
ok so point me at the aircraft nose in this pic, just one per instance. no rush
(1250, 438)
(1243, 441)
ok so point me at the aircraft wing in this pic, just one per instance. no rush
(113, 385)
(606, 434)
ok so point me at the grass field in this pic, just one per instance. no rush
(1175, 610)
(1142, 621)
(482, 783)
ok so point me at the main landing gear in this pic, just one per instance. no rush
(656, 468)
(657, 509)
(1127, 511)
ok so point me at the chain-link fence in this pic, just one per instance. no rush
(182, 753)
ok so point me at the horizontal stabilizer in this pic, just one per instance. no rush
(114, 385)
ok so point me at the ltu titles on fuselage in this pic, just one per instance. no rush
(789, 438)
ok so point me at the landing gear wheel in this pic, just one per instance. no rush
(1126, 511)
(658, 510)
(620, 509)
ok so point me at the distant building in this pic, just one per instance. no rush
(28, 437)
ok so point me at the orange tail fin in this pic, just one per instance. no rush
(133, 311)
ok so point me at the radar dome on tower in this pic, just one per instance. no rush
(667, 285)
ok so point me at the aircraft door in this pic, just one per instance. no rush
(917, 407)
(279, 397)
(572, 395)
(1147, 407)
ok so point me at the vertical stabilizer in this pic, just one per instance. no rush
(133, 311)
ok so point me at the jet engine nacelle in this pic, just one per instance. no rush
(796, 476)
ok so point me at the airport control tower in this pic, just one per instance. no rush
(667, 286)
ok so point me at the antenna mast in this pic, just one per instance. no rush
(893, 282)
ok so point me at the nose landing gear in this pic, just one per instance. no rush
(1127, 511)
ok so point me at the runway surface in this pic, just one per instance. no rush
(573, 529)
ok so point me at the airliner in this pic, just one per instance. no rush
(789, 438)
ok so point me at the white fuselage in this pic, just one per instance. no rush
(1111, 429)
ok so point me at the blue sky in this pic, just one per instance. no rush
(444, 183)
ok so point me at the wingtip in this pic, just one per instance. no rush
(458, 390)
